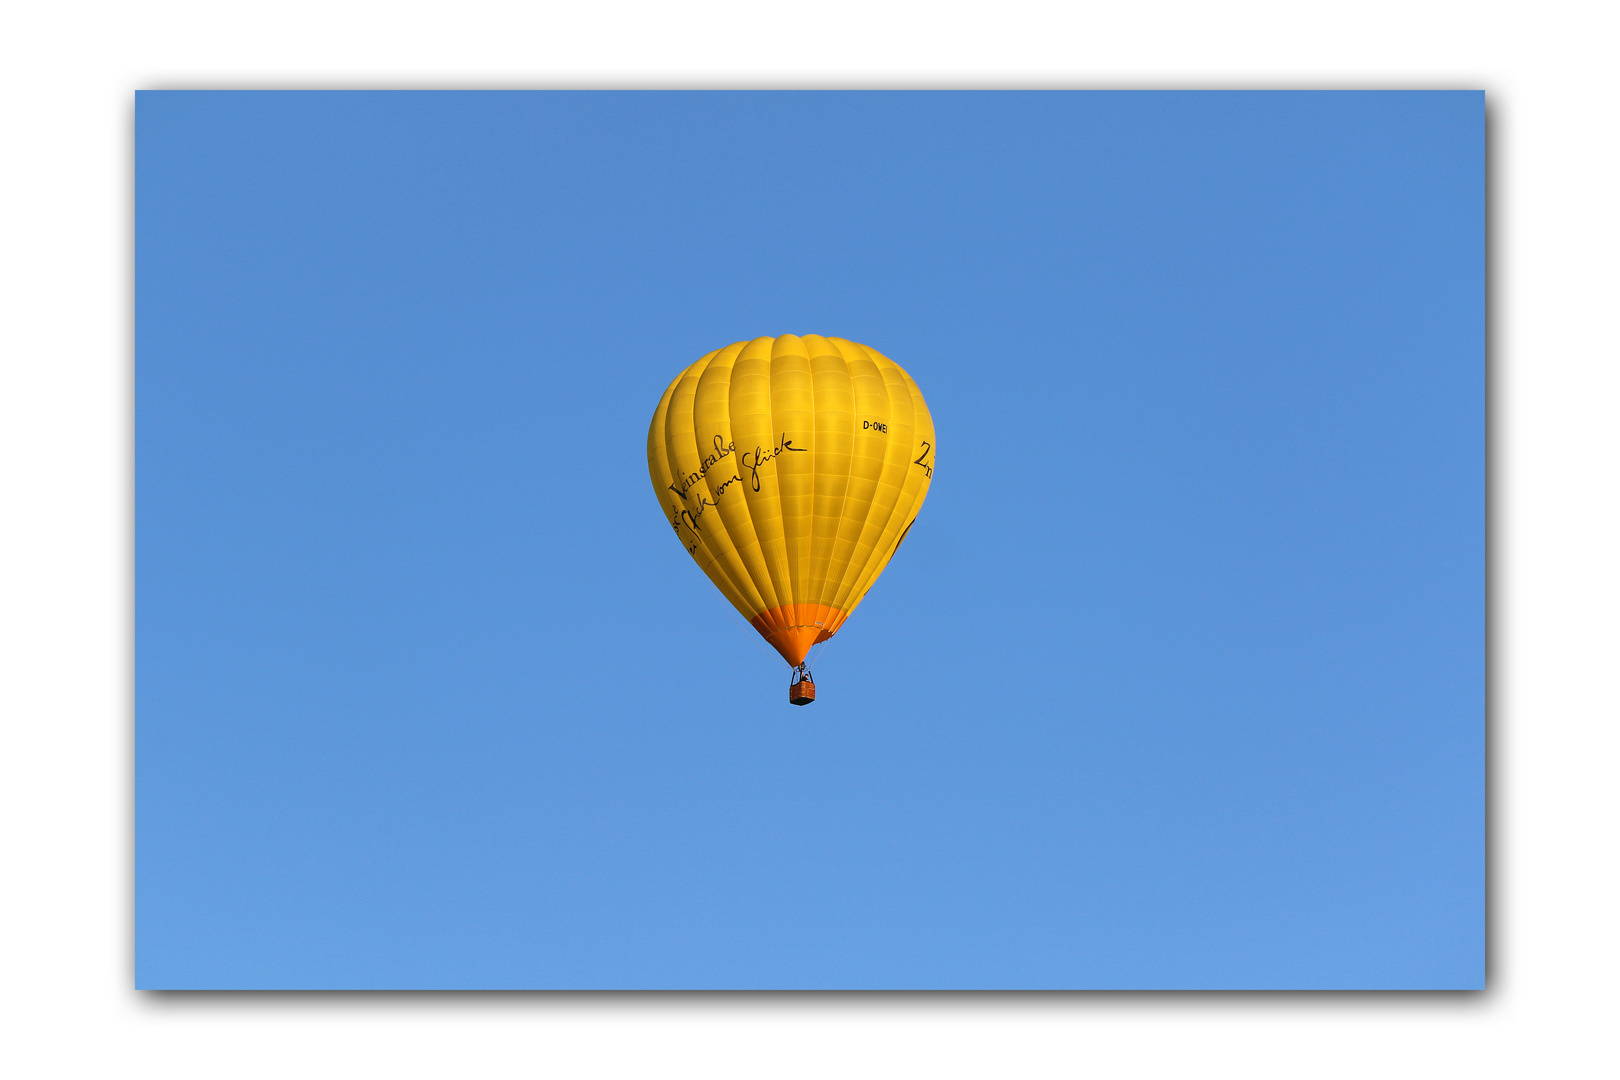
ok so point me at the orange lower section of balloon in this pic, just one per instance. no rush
(793, 628)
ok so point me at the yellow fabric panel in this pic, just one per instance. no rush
(711, 415)
(871, 438)
(834, 451)
(876, 531)
(677, 512)
(793, 420)
(753, 430)
(691, 469)
(790, 468)
(919, 474)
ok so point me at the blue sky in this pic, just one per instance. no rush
(1178, 682)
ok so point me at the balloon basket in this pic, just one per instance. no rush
(802, 691)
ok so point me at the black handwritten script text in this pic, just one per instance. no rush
(686, 513)
(721, 449)
(761, 456)
(680, 515)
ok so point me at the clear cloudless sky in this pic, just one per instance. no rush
(1178, 682)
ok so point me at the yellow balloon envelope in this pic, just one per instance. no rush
(791, 468)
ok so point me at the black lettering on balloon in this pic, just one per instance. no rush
(922, 459)
(761, 456)
(681, 515)
(721, 449)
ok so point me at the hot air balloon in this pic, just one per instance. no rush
(791, 468)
